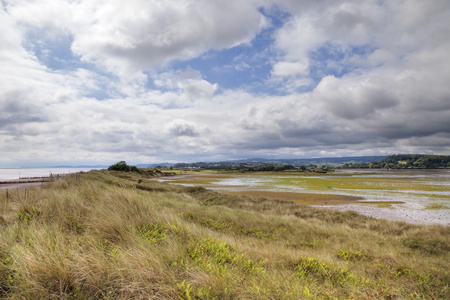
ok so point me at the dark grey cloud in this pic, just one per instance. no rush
(180, 127)
(16, 108)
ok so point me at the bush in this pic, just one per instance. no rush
(123, 167)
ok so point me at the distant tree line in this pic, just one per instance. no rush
(273, 166)
(398, 161)
(405, 161)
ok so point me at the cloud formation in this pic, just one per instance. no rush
(103, 81)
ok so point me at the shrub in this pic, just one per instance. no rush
(123, 167)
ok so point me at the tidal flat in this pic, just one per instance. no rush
(413, 196)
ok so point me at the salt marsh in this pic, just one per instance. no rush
(414, 196)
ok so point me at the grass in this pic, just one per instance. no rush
(304, 198)
(119, 236)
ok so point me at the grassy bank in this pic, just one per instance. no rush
(115, 235)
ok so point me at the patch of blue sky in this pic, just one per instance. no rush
(233, 68)
(332, 59)
(246, 66)
(99, 94)
(56, 54)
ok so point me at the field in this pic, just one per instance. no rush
(114, 235)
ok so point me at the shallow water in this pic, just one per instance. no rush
(8, 174)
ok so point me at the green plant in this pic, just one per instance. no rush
(26, 214)
(153, 232)
(313, 268)
(350, 255)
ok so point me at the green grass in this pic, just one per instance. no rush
(123, 236)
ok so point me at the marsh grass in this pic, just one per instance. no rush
(304, 198)
(436, 206)
(116, 236)
(326, 182)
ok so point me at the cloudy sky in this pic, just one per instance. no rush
(99, 81)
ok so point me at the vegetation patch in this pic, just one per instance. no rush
(427, 246)
(230, 226)
(350, 255)
(301, 244)
(304, 198)
(6, 275)
(436, 206)
(314, 269)
(26, 214)
(123, 167)
(152, 232)
(102, 237)
(215, 256)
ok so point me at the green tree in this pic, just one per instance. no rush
(123, 167)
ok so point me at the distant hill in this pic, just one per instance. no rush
(406, 161)
(164, 165)
(319, 160)
(264, 164)
(397, 161)
(417, 161)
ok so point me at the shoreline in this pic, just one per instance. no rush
(26, 182)
(20, 186)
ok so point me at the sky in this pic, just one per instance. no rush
(86, 82)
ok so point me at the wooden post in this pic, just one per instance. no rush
(7, 195)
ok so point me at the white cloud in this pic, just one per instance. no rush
(188, 83)
(140, 35)
(198, 88)
(146, 34)
(289, 69)
(382, 80)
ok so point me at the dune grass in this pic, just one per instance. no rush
(115, 235)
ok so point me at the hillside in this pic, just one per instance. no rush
(406, 161)
(262, 164)
(116, 235)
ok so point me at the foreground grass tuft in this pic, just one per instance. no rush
(124, 236)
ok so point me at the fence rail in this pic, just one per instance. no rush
(36, 179)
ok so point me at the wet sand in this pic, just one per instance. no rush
(422, 217)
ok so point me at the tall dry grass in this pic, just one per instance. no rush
(116, 235)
